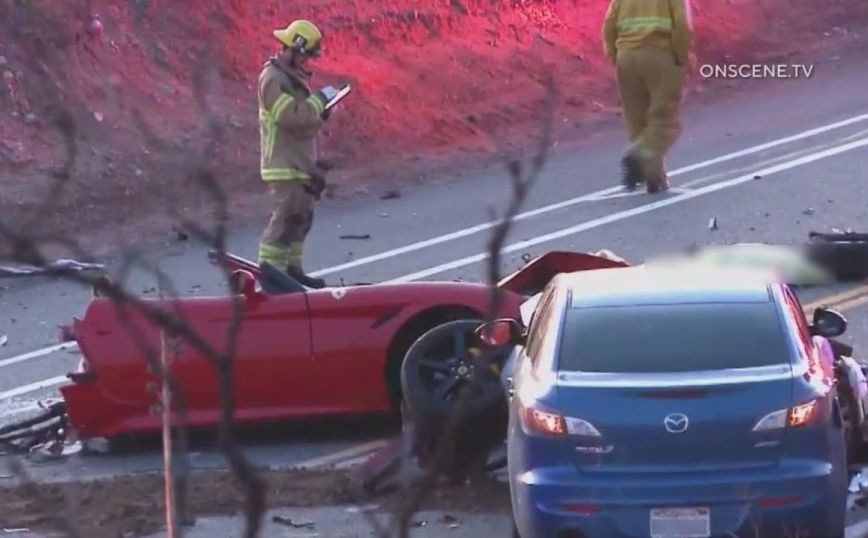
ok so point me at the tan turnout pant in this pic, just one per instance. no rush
(650, 86)
(282, 242)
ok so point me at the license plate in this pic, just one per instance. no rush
(680, 523)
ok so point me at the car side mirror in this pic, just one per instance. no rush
(501, 332)
(828, 323)
(244, 283)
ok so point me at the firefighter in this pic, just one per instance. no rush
(649, 42)
(291, 116)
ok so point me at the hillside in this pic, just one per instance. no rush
(117, 106)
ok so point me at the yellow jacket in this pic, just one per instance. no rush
(657, 23)
(290, 118)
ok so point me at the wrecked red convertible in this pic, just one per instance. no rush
(300, 352)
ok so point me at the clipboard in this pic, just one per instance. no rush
(343, 92)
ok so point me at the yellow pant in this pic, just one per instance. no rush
(282, 240)
(650, 85)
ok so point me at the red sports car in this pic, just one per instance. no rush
(300, 352)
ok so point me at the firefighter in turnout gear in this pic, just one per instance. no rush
(649, 42)
(291, 116)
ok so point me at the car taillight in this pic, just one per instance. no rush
(793, 417)
(543, 422)
(802, 414)
(538, 420)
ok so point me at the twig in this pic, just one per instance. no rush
(168, 462)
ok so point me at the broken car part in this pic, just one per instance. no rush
(844, 254)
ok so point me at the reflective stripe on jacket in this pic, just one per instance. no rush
(290, 118)
(658, 23)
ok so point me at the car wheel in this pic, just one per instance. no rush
(443, 362)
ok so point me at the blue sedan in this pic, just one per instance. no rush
(644, 403)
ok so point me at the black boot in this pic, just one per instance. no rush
(631, 170)
(659, 185)
(304, 280)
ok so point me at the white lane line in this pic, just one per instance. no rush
(637, 192)
(541, 210)
(36, 354)
(24, 389)
(778, 158)
(635, 211)
(567, 203)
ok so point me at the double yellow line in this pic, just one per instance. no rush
(842, 302)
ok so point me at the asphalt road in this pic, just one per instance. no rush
(772, 165)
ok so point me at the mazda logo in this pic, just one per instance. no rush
(676, 423)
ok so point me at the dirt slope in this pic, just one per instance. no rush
(435, 80)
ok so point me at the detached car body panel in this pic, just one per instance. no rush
(701, 409)
(299, 352)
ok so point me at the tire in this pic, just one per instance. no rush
(853, 416)
(439, 361)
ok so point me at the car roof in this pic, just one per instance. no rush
(646, 285)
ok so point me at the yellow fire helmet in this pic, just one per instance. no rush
(302, 36)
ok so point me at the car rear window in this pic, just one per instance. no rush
(672, 338)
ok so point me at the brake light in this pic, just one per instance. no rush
(793, 417)
(543, 422)
(802, 414)
(535, 419)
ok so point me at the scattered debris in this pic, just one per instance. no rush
(449, 519)
(712, 223)
(609, 255)
(390, 195)
(182, 235)
(4, 339)
(808, 211)
(59, 265)
(356, 236)
(384, 215)
(290, 523)
(98, 446)
(16, 531)
(757, 177)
